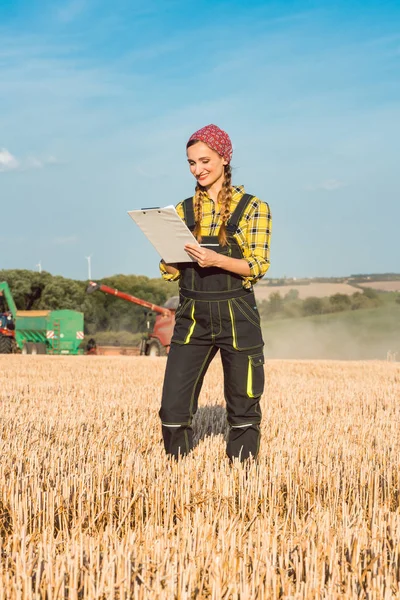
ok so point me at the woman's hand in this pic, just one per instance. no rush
(204, 256)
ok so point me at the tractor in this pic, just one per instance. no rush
(156, 342)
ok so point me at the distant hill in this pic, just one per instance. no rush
(383, 286)
(320, 287)
(352, 279)
(318, 290)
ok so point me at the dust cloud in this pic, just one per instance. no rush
(307, 339)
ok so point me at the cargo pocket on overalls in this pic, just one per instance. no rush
(185, 322)
(249, 311)
(246, 328)
(181, 307)
(255, 375)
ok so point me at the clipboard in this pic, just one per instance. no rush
(164, 228)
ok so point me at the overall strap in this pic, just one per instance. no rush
(237, 214)
(188, 212)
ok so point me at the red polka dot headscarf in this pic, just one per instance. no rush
(216, 139)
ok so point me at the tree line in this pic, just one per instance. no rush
(42, 291)
(290, 306)
(117, 321)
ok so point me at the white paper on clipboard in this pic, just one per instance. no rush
(164, 228)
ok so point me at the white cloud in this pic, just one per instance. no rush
(8, 162)
(329, 185)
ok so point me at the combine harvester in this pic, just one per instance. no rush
(39, 331)
(157, 342)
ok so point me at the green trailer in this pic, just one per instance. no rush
(49, 331)
(39, 331)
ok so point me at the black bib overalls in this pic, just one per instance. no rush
(215, 313)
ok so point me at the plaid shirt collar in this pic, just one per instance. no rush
(237, 193)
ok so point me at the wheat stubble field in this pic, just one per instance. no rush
(90, 507)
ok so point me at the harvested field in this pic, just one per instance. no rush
(91, 508)
(385, 286)
(319, 290)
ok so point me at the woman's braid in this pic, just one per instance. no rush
(198, 211)
(224, 199)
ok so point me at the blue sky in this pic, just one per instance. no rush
(98, 99)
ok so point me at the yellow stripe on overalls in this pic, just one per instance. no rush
(250, 380)
(190, 332)
(234, 341)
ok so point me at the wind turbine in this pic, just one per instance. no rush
(88, 258)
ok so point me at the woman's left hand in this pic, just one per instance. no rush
(204, 256)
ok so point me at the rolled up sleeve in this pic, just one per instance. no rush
(168, 276)
(258, 242)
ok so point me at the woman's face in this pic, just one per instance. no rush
(206, 165)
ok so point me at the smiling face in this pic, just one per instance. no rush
(206, 165)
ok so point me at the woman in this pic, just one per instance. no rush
(217, 309)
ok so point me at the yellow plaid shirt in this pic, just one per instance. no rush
(253, 234)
